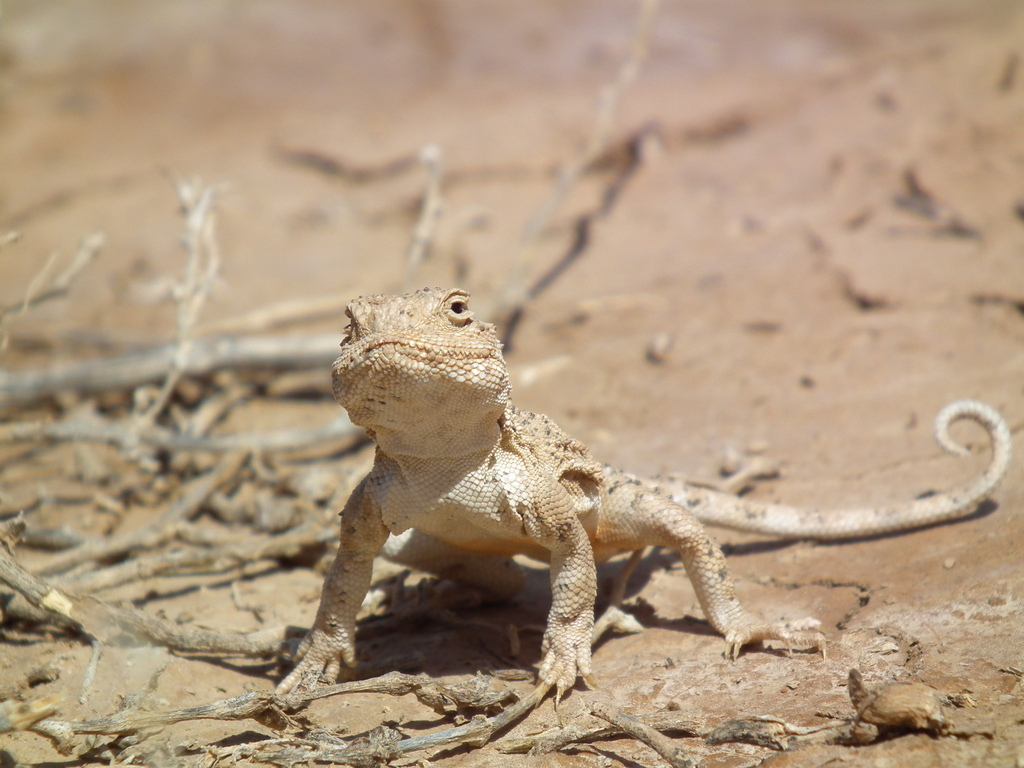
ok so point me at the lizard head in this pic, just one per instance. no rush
(421, 373)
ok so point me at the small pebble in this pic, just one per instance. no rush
(658, 348)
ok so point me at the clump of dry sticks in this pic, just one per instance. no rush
(141, 432)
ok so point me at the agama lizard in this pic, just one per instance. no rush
(462, 481)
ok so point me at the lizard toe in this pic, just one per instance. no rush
(751, 632)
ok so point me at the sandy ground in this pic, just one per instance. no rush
(807, 316)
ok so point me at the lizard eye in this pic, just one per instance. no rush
(458, 311)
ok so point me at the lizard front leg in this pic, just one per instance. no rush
(567, 638)
(332, 637)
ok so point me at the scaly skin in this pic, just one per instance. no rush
(462, 480)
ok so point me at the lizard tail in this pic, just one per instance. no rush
(730, 511)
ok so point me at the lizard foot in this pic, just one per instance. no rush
(751, 632)
(318, 655)
(566, 649)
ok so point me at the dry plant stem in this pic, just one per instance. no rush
(163, 529)
(555, 739)
(214, 408)
(190, 294)
(206, 355)
(515, 292)
(775, 733)
(657, 741)
(583, 229)
(106, 622)
(90, 670)
(35, 285)
(340, 430)
(282, 313)
(211, 559)
(254, 704)
(439, 697)
(133, 720)
(346, 171)
(430, 212)
(35, 294)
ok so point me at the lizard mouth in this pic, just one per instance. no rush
(370, 365)
(388, 380)
(399, 350)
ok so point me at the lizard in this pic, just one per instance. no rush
(462, 480)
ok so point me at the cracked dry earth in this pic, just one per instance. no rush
(774, 243)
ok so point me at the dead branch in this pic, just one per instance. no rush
(476, 732)
(355, 174)
(283, 313)
(263, 705)
(614, 617)
(201, 269)
(206, 355)
(132, 719)
(514, 295)
(475, 693)
(339, 430)
(163, 529)
(106, 622)
(213, 408)
(36, 293)
(212, 559)
(583, 228)
(90, 670)
(919, 201)
(554, 739)
(657, 741)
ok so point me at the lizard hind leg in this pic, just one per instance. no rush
(635, 516)
(497, 578)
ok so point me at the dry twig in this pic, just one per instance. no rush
(201, 269)
(554, 739)
(36, 293)
(288, 312)
(265, 706)
(339, 430)
(163, 529)
(106, 622)
(515, 295)
(206, 355)
(216, 557)
(355, 174)
(918, 200)
(660, 743)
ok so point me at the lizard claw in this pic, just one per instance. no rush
(319, 655)
(566, 657)
(751, 632)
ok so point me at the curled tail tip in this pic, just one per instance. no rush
(981, 413)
